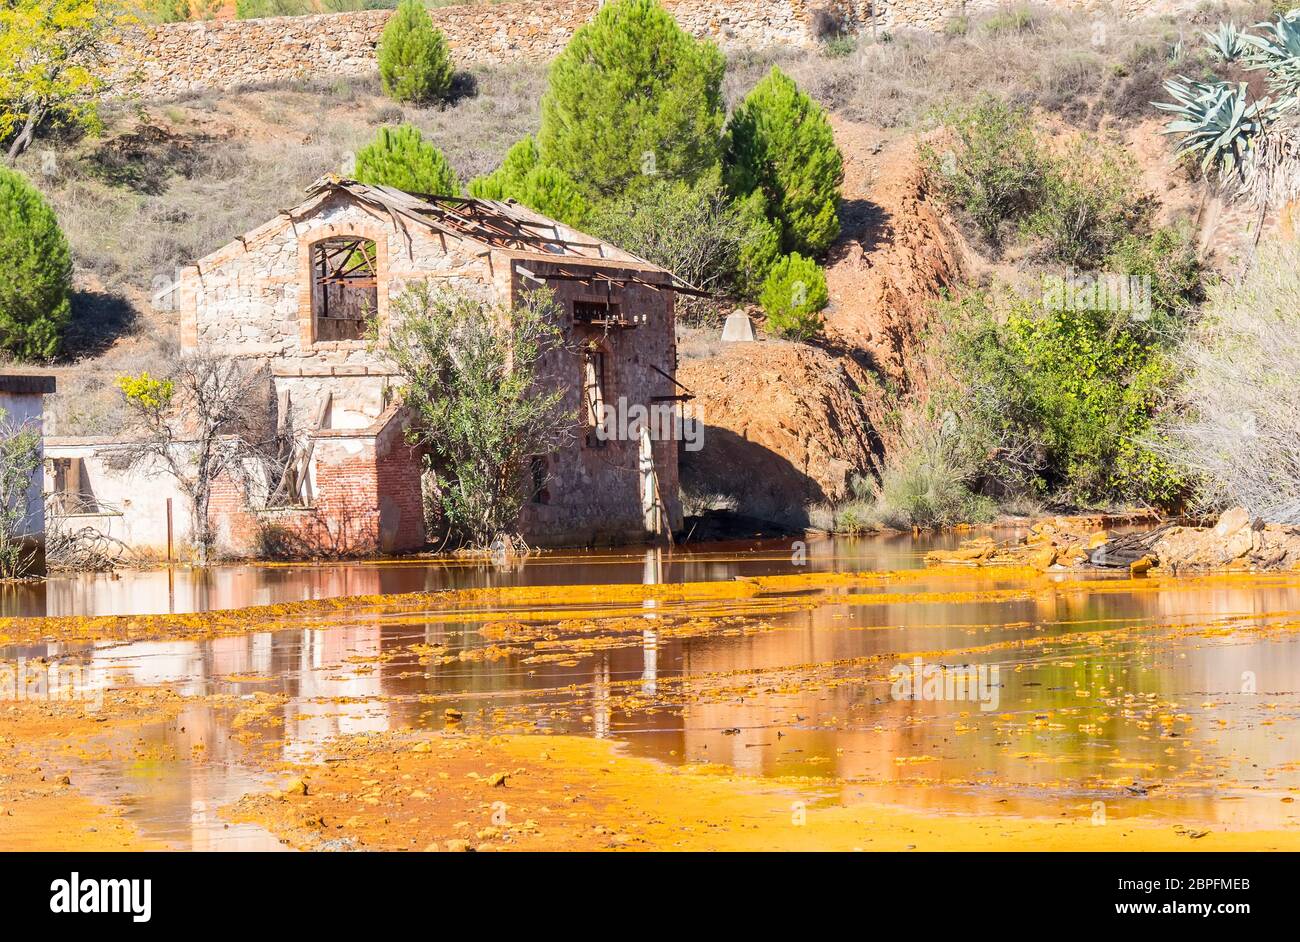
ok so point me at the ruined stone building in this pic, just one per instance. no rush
(296, 297)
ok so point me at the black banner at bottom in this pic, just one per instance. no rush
(343, 891)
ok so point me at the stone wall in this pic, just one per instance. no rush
(183, 57)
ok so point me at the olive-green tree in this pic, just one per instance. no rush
(414, 59)
(400, 157)
(474, 375)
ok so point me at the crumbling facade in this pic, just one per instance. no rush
(302, 294)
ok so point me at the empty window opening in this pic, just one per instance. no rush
(345, 287)
(537, 470)
(593, 394)
(70, 491)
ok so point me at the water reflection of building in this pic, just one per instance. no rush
(334, 697)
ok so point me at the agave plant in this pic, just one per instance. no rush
(1218, 121)
(1276, 47)
(1227, 43)
(1270, 175)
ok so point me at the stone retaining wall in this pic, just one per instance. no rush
(176, 58)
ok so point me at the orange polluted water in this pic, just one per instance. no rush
(843, 670)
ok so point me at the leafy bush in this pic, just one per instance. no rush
(400, 157)
(36, 275)
(472, 376)
(522, 178)
(631, 96)
(693, 230)
(1088, 202)
(1059, 399)
(414, 61)
(1166, 260)
(993, 169)
(793, 294)
(780, 142)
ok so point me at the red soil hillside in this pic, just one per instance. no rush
(789, 424)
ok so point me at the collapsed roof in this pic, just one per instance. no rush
(502, 225)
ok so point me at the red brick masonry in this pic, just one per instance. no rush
(367, 501)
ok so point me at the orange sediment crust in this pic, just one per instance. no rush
(457, 792)
(751, 596)
(41, 806)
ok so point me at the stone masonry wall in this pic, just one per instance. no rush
(176, 58)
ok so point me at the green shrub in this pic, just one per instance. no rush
(993, 168)
(36, 274)
(692, 229)
(414, 61)
(918, 490)
(760, 245)
(793, 295)
(548, 190)
(1167, 261)
(839, 47)
(632, 95)
(1089, 201)
(1059, 400)
(1013, 20)
(400, 157)
(474, 375)
(780, 142)
(501, 182)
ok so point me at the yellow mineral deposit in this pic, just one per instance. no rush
(1047, 707)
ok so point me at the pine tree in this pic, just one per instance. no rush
(414, 60)
(400, 157)
(632, 95)
(547, 190)
(36, 274)
(793, 294)
(779, 141)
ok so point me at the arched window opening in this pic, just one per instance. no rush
(345, 287)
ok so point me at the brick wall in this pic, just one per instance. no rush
(366, 502)
(182, 57)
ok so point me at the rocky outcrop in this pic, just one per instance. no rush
(896, 255)
(1234, 542)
